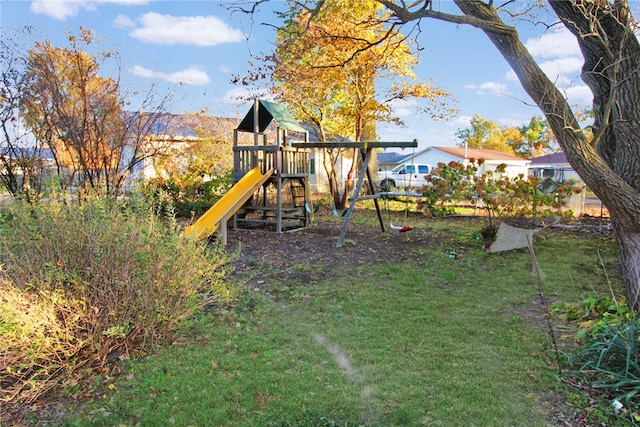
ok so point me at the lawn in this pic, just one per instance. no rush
(425, 340)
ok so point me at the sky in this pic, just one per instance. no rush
(193, 49)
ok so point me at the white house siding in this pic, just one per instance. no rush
(434, 155)
(318, 181)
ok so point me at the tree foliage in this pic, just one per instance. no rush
(79, 115)
(484, 133)
(531, 140)
(328, 68)
(537, 139)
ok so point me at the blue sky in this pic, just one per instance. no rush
(193, 48)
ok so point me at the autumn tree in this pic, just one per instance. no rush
(536, 139)
(79, 116)
(203, 142)
(484, 133)
(328, 66)
(608, 160)
(526, 141)
(214, 143)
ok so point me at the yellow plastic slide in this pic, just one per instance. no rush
(228, 204)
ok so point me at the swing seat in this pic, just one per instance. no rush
(335, 212)
(402, 229)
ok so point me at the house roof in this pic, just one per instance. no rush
(391, 157)
(268, 111)
(480, 153)
(166, 124)
(549, 159)
(26, 152)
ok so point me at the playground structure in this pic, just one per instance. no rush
(271, 180)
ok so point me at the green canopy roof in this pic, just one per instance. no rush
(268, 111)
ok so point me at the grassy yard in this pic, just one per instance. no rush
(430, 341)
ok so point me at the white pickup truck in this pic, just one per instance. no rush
(406, 175)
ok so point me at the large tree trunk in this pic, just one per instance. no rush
(610, 164)
(612, 59)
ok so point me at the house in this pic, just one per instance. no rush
(554, 165)
(516, 166)
(175, 139)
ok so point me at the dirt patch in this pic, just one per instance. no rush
(310, 255)
(284, 255)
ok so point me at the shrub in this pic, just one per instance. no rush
(192, 192)
(98, 280)
(500, 196)
(608, 352)
(610, 360)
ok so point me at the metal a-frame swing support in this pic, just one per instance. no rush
(364, 149)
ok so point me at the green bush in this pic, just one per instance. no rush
(81, 284)
(607, 357)
(610, 360)
(500, 196)
(190, 193)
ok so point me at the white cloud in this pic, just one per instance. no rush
(459, 122)
(124, 2)
(239, 95)
(63, 9)
(191, 76)
(402, 108)
(559, 56)
(559, 43)
(562, 71)
(580, 95)
(59, 10)
(489, 88)
(188, 30)
(123, 21)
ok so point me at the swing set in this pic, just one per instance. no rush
(365, 149)
(385, 196)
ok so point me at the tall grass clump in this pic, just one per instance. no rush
(84, 283)
(609, 359)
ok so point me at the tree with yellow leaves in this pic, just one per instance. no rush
(78, 114)
(342, 70)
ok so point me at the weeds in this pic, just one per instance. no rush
(610, 360)
(608, 355)
(85, 283)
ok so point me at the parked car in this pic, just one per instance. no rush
(406, 175)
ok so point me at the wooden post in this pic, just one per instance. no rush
(356, 191)
(372, 189)
(279, 204)
(222, 226)
(256, 131)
